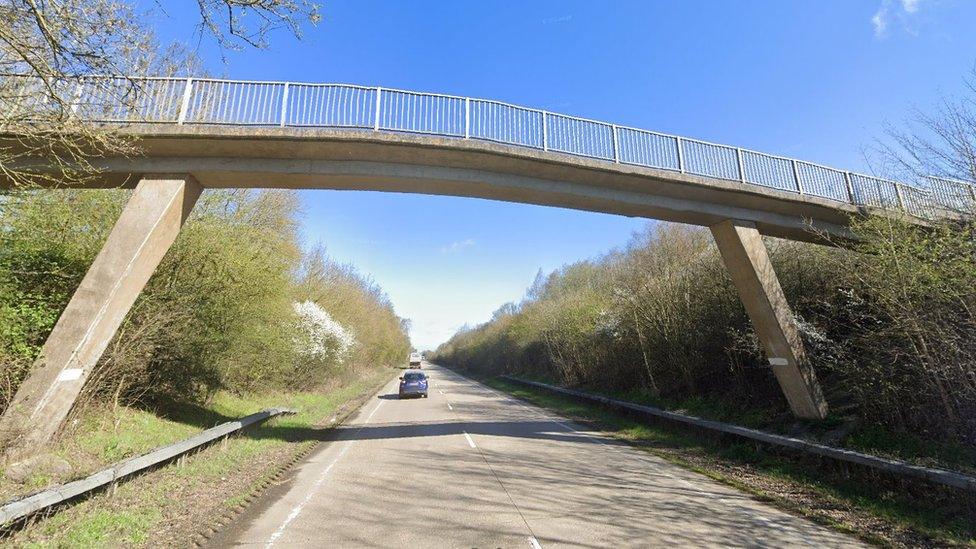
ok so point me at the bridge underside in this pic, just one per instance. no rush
(179, 161)
(307, 158)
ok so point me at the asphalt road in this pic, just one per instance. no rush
(471, 467)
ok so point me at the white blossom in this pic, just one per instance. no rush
(320, 337)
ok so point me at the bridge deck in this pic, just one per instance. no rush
(339, 136)
(316, 158)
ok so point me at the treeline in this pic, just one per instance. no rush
(235, 304)
(890, 326)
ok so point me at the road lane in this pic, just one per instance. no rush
(472, 467)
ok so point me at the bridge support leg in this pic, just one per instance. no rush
(747, 260)
(147, 227)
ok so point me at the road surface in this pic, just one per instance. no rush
(471, 467)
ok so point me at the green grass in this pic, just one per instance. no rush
(933, 516)
(911, 448)
(871, 439)
(142, 507)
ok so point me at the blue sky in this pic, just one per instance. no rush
(816, 80)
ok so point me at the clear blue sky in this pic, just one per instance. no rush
(815, 80)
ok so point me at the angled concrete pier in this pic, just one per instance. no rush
(147, 227)
(747, 260)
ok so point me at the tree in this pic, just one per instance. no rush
(48, 46)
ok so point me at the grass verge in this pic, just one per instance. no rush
(174, 504)
(876, 512)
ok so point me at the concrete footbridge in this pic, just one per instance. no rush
(229, 133)
(212, 133)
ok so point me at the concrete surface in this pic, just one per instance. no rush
(745, 256)
(317, 158)
(144, 232)
(470, 467)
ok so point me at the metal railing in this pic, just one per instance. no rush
(292, 104)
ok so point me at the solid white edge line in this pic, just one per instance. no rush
(297, 510)
(370, 416)
(534, 543)
(470, 441)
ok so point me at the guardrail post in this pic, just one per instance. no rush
(545, 131)
(681, 156)
(376, 120)
(972, 191)
(796, 177)
(901, 200)
(284, 105)
(467, 117)
(850, 187)
(742, 169)
(185, 104)
(616, 151)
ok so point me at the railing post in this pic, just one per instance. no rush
(901, 200)
(185, 104)
(284, 106)
(850, 187)
(742, 169)
(467, 117)
(76, 98)
(376, 120)
(616, 151)
(545, 131)
(681, 156)
(796, 177)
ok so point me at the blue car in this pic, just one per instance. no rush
(413, 383)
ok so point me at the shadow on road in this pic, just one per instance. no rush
(531, 429)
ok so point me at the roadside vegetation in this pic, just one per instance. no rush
(889, 325)
(235, 307)
(236, 319)
(889, 321)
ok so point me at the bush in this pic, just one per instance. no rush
(219, 313)
(889, 326)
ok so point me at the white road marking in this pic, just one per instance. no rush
(370, 416)
(540, 412)
(449, 407)
(468, 437)
(441, 392)
(318, 483)
(534, 543)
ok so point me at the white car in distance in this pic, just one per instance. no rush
(416, 359)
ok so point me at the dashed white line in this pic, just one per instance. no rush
(534, 543)
(297, 510)
(449, 407)
(468, 438)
